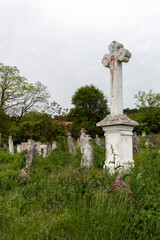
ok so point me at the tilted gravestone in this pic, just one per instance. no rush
(22, 175)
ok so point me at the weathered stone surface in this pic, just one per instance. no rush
(31, 153)
(22, 175)
(154, 140)
(43, 149)
(18, 148)
(143, 133)
(120, 119)
(24, 146)
(54, 145)
(120, 185)
(71, 144)
(147, 142)
(49, 149)
(119, 149)
(82, 139)
(136, 143)
(116, 86)
(86, 150)
(99, 142)
(78, 142)
(38, 147)
(117, 126)
(11, 146)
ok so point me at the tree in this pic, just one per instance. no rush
(149, 109)
(90, 106)
(17, 96)
(56, 111)
(147, 100)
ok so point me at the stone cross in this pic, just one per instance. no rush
(113, 60)
(117, 126)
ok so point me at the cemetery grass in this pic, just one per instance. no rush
(60, 200)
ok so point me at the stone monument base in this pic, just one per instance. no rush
(118, 140)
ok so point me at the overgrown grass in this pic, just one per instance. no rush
(62, 201)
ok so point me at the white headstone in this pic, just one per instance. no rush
(82, 139)
(11, 146)
(86, 150)
(87, 154)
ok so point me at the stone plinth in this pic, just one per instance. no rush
(118, 136)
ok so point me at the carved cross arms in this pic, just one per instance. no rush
(115, 49)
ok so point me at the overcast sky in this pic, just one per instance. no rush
(61, 43)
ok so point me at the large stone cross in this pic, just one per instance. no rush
(113, 60)
(117, 126)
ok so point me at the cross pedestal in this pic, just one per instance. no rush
(117, 126)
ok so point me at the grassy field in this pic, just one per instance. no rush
(62, 201)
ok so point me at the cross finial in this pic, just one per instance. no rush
(115, 48)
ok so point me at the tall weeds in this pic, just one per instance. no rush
(62, 201)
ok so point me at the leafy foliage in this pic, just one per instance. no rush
(149, 109)
(62, 201)
(89, 103)
(37, 126)
(147, 113)
(90, 106)
(145, 100)
(17, 96)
